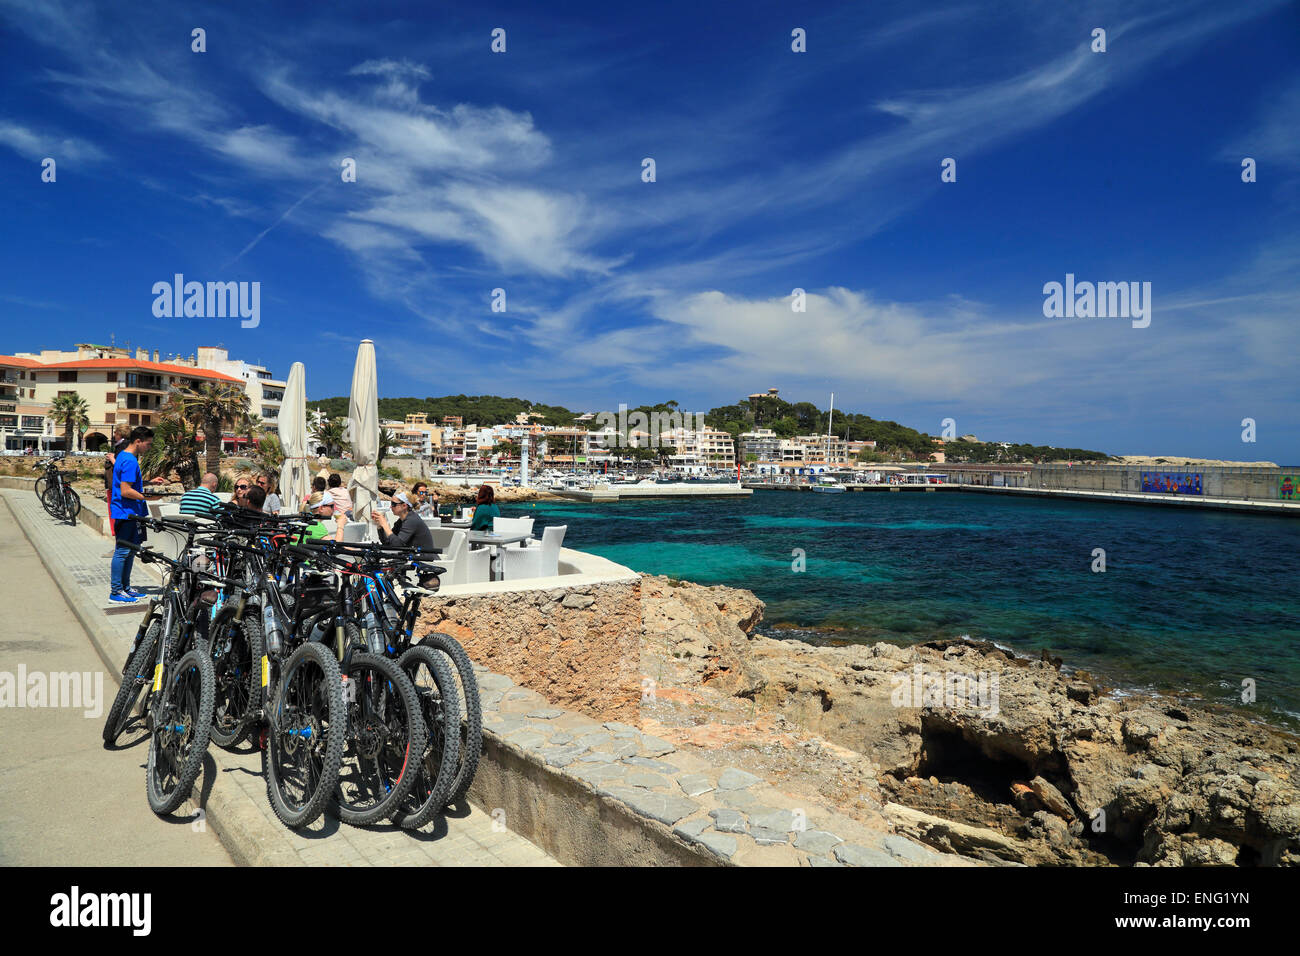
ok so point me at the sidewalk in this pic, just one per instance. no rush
(231, 790)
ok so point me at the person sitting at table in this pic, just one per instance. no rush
(409, 531)
(485, 509)
(427, 504)
(342, 500)
(321, 505)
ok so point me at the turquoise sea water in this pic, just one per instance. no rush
(1189, 601)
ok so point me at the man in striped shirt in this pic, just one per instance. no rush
(201, 501)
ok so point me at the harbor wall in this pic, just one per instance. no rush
(1216, 481)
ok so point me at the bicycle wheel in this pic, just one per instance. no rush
(52, 501)
(471, 726)
(135, 679)
(39, 486)
(435, 686)
(304, 741)
(182, 722)
(237, 663)
(73, 506)
(385, 740)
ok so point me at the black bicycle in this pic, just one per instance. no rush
(57, 495)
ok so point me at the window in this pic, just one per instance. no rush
(112, 376)
(34, 421)
(110, 418)
(8, 421)
(111, 398)
(135, 420)
(68, 376)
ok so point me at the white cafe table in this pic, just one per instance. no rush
(496, 542)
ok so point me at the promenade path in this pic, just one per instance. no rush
(66, 800)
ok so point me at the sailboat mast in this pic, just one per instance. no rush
(830, 419)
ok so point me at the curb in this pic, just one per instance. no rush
(236, 829)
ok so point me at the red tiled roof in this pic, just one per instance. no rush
(13, 361)
(143, 366)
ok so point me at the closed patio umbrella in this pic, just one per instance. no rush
(363, 429)
(295, 475)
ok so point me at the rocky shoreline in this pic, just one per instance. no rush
(973, 750)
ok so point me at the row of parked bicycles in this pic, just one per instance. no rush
(54, 489)
(305, 650)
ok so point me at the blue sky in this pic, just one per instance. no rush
(775, 170)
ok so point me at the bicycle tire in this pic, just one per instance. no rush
(73, 506)
(471, 737)
(385, 741)
(39, 486)
(323, 695)
(51, 503)
(440, 707)
(181, 733)
(136, 677)
(238, 670)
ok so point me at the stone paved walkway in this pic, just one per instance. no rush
(231, 790)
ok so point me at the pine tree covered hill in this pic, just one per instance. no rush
(784, 418)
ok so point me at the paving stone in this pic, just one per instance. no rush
(596, 774)
(737, 799)
(905, 849)
(598, 739)
(718, 843)
(855, 855)
(664, 807)
(621, 730)
(596, 756)
(654, 747)
(694, 784)
(490, 681)
(728, 821)
(525, 738)
(561, 756)
(658, 766)
(822, 861)
(816, 841)
(546, 713)
(733, 779)
(621, 748)
(561, 737)
(765, 837)
(646, 780)
(782, 820)
(691, 829)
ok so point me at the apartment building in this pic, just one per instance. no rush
(265, 392)
(762, 443)
(119, 389)
(24, 422)
(701, 450)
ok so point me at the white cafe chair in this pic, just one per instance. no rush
(541, 560)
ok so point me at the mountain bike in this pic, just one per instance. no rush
(385, 734)
(58, 497)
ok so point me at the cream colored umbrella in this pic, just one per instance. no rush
(363, 432)
(295, 473)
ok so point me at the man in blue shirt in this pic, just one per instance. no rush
(127, 502)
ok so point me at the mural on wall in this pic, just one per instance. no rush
(1287, 486)
(1171, 483)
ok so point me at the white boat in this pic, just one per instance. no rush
(827, 485)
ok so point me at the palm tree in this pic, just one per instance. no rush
(330, 434)
(174, 448)
(387, 442)
(71, 411)
(268, 454)
(212, 407)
